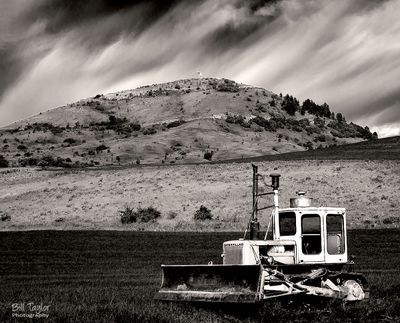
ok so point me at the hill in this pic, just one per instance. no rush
(183, 121)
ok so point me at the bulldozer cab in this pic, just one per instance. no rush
(319, 233)
(301, 236)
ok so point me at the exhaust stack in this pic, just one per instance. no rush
(254, 224)
(275, 187)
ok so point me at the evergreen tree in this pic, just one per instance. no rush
(326, 112)
(290, 104)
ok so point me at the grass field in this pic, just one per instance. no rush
(110, 276)
(381, 149)
(92, 199)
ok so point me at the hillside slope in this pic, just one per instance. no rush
(178, 122)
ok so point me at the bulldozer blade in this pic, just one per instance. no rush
(211, 283)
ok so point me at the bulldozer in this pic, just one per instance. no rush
(307, 255)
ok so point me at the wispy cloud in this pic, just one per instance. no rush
(346, 53)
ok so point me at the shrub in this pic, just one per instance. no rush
(171, 215)
(297, 128)
(387, 221)
(308, 145)
(3, 162)
(5, 216)
(44, 127)
(363, 133)
(304, 122)
(28, 162)
(321, 138)
(148, 214)
(227, 86)
(270, 125)
(101, 148)
(203, 214)
(70, 141)
(208, 155)
(237, 119)
(278, 122)
(352, 130)
(176, 123)
(230, 119)
(176, 146)
(319, 122)
(262, 122)
(50, 161)
(260, 107)
(100, 108)
(149, 131)
(119, 125)
(22, 147)
(135, 126)
(128, 215)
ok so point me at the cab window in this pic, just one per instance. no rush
(311, 234)
(335, 234)
(287, 223)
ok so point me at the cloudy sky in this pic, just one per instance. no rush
(343, 52)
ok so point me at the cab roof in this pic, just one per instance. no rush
(314, 209)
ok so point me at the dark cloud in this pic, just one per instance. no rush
(233, 35)
(10, 66)
(61, 15)
(238, 32)
(342, 52)
(255, 5)
(85, 20)
(386, 107)
(364, 6)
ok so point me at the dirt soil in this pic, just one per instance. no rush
(91, 199)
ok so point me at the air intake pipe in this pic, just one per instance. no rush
(275, 187)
